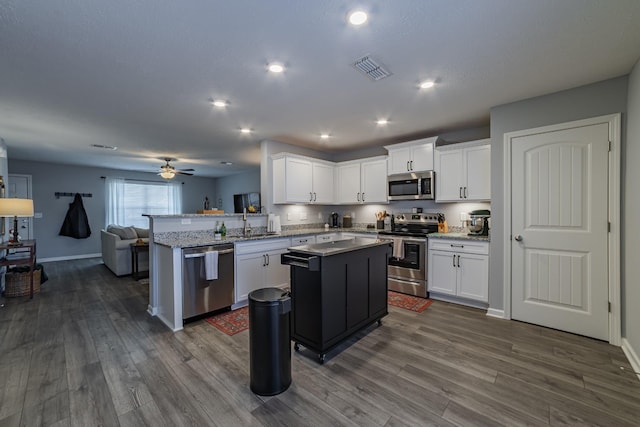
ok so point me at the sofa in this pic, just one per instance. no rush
(116, 248)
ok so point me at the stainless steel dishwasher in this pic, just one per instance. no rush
(199, 295)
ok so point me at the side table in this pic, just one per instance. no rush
(30, 258)
(136, 250)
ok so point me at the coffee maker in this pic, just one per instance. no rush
(479, 222)
(334, 220)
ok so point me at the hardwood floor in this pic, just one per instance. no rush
(84, 352)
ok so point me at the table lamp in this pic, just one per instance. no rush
(14, 207)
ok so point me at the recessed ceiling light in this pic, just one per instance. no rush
(226, 163)
(357, 17)
(220, 103)
(427, 84)
(324, 136)
(382, 122)
(245, 130)
(275, 67)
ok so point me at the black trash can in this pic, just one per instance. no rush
(269, 341)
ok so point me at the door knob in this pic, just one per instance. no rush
(518, 238)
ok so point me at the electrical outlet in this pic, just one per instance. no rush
(290, 216)
(37, 215)
(185, 221)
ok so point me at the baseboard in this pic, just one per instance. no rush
(631, 354)
(494, 312)
(70, 257)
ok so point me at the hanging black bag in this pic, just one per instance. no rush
(76, 223)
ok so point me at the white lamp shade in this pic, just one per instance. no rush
(16, 207)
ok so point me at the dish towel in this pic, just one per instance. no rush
(398, 248)
(211, 265)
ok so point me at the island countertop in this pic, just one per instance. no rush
(338, 246)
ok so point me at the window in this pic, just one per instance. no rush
(128, 200)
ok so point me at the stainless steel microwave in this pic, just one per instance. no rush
(412, 186)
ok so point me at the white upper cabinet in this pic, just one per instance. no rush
(463, 172)
(412, 156)
(362, 181)
(298, 179)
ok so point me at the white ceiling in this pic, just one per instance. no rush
(139, 74)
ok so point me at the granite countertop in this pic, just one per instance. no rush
(189, 239)
(458, 236)
(338, 246)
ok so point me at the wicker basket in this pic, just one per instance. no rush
(19, 284)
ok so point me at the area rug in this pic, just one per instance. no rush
(408, 302)
(231, 322)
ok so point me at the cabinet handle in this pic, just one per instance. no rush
(411, 163)
(454, 261)
(458, 261)
(363, 197)
(315, 196)
(310, 196)
(456, 246)
(264, 260)
(408, 166)
(460, 192)
(358, 197)
(465, 192)
(267, 255)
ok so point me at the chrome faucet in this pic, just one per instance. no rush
(246, 230)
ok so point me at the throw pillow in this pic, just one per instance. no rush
(125, 233)
(142, 232)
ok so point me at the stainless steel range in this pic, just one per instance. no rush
(408, 264)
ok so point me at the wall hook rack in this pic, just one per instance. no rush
(58, 194)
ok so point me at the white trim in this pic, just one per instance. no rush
(632, 356)
(457, 300)
(494, 312)
(613, 120)
(152, 310)
(70, 257)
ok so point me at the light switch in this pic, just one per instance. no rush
(37, 215)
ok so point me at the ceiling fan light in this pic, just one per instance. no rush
(167, 174)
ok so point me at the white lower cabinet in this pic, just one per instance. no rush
(258, 266)
(459, 268)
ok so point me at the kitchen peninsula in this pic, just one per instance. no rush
(257, 256)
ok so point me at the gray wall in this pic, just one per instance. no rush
(630, 211)
(226, 187)
(48, 178)
(598, 99)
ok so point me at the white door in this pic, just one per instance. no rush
(277, 274)
(448, 175)
(323, 184)
(399, 160)
(477, 164)
(20, 186)
(559, 229)
(422, 157)
(373, 181)
(473, 276)
(348, 183)
(442, 272)
(249, 274)
(299, 180)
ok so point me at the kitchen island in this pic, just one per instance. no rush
(337, 288)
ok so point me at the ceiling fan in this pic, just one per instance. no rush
(168, 171)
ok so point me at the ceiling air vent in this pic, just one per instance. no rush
(371, 68)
